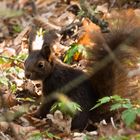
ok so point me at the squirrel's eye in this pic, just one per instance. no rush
(40, 64)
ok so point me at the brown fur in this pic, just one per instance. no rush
(112, 56)
(122, 47)
(41, 65)
(116, 54)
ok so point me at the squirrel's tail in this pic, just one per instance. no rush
(115, 67)
(116, 55)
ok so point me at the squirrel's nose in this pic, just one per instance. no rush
(28, 75)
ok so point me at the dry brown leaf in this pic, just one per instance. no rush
(38, 123)
(88, 27)
(8, 99)
(60, 122)
(22, 3)
(18, 129)
(4, 126)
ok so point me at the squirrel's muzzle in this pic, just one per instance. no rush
(28, 75)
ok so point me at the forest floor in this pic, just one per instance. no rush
(18, 96)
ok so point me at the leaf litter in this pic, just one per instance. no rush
(21, 97)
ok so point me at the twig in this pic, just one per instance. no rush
(112, 122)
(88, 12)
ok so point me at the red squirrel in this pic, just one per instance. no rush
(116, 48)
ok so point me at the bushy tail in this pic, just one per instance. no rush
(115, 57)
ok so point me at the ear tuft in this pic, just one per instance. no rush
(49, 39)
(46, 52)
(39, 41)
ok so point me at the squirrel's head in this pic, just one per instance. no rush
(39, 65)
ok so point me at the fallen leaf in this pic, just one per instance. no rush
(88, 27)
(9, 99)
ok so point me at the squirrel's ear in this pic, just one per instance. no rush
(49, 39)
(46, 51)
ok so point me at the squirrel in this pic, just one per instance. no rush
(41, 65)
(112, 56)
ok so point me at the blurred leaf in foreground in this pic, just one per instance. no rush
(66, 106)
(9, 13)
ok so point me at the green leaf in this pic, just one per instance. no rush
(36, 136)
(4, 60)
(105, 100)
(120, 105)
(13, 87)
(117, 98)
(69, 108)
(97, 105)
(50, 135)
(70, 53)
(14, 70)
(101, 102)
(22, 56)
(4, 80)
(138, 111)
(116, 106)
(127, 105)
(81, 13)
(86, 138)
(129, 116)
(17, 28)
